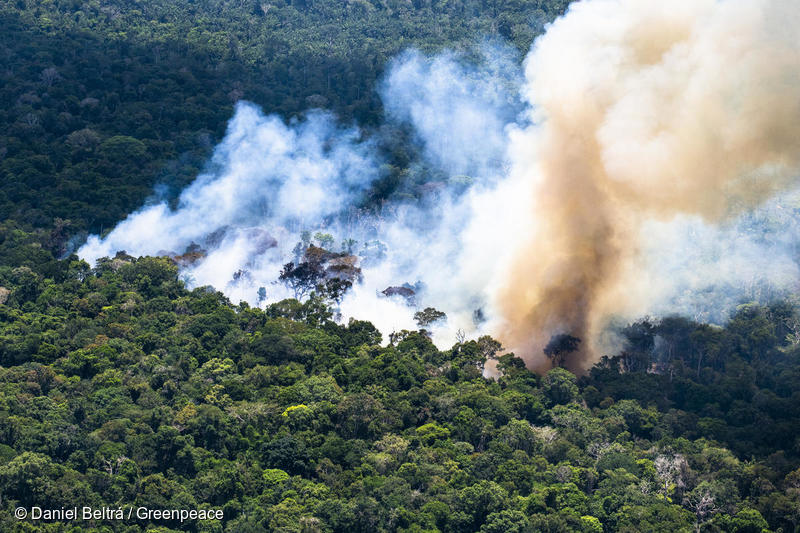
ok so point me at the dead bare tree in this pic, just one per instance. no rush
(703, 505)
(670, 469)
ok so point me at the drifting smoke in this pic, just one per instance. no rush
(705, 271)
(265, 180)
(459, 113)
(269, 182)
(646, 109)
(616, 177)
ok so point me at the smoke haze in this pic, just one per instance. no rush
(620, 173)
(646, 110)
(459, 112)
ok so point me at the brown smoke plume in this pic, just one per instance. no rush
(644, 109)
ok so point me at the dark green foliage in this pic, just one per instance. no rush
(560, 346)
(119, 386)
(103, 100)
(429, 316)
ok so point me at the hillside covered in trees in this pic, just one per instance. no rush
(122, 386)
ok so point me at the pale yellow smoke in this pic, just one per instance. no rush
(643, 108)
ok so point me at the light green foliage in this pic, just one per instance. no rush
(432, 432)
(591, 524)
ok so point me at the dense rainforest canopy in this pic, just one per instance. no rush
(120, 386)
(102, 100)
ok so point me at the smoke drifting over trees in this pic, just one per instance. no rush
(633, 123)
(645, 110)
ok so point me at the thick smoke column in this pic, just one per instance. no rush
(623, 184)
(645, 110)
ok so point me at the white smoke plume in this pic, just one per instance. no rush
(269, 182)
(459, 113)
(624, 185)
(266, 180)
(262, 170)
